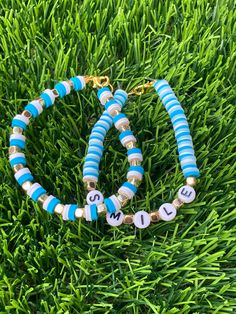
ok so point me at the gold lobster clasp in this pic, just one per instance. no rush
(140, 89)
(99, 81)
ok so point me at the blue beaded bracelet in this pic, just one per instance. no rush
(36, 192)
(112, 204)
(186, 193)
(181, 128)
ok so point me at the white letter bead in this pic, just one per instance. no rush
(167, 212)
(115, 219)
(94, 197)
(141, 219)
(186, 194)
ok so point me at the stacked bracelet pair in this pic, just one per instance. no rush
(96, 203)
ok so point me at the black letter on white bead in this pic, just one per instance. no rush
(142, 219)
(186, 194)
(115, 215)
(167, 212)
(94, 197)
(115, 219)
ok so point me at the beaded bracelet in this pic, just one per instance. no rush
(186, 193)
(24, 177)
(113, 204)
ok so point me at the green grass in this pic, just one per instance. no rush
(184, 266)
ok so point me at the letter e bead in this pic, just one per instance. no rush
(186, 194)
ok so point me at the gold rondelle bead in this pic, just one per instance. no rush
(13, 150)
(128, 219)
(135, 163)
(130, 145)
(79, 213)
(18, 167)
(42, 198)
(59, 209)
(124, 127)
(41, 101)
(90, 185)
(134, 181)
(192, 181)
(27, 114)
(55, 93)
(177, 203)
(108, 98)
(70, 83)
(17, 130)
(27, 185)
(114, 113)
(154, 216)
(123, 199)
(101, 209)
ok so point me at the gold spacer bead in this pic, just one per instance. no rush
(123, 199)
(16, 130)
(154, 216)
(134, 181)
(124, 127)
(13, 150)
(26, 114)
(109, 98)
(192, 181)
(135, 163)
(41, 101)
(17, 167)
(55, 93)
(128, 219)
(79, 213)
(177, 203)
(42, 198)
(70, 83)
(90, 185)
(101, 209)
(26, 185)
(59, 209)
(114, 113)
(130, 145)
